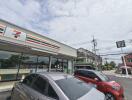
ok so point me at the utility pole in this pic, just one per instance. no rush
(94, 42)
(75, 4)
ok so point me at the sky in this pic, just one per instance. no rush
(75, 22)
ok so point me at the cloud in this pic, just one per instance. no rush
(104, 19)
(74, 21)
(26, 13)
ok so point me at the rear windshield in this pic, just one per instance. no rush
(74, 88)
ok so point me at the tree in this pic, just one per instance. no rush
(113, 64)
(12, 61)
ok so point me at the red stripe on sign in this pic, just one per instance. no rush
(30, 36)
(40, 43)
(43, 44)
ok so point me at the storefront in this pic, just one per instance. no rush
(23, 52)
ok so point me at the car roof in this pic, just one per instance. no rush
(86, 70)
(55, 75)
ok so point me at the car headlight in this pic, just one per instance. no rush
(117, 88)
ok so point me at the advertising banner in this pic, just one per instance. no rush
(15, 34)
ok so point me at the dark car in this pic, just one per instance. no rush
(54, 86)
(111, 89)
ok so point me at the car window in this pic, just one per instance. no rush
(73, 87)
(52, 93)
(29, 79)
(88, 74)
(40, 85)
(91, 75)
(79, 72)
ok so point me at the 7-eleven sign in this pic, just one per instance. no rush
(15, 34)
(2, 29)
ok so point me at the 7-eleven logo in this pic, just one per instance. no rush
(16, 34)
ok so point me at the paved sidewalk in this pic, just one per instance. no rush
(112, 72)
(6, 86)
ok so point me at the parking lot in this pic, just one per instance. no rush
(126, 83)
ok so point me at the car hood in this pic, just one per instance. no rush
(93, 94)
(113, 83)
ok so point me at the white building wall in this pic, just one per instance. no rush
(64, 49)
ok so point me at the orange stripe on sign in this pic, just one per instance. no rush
(40, 43)
(41, 40)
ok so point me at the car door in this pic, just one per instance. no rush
(91, 77)
(81, 75)
(21, 89)
(88, 76)
(51, 93)
(39, 87)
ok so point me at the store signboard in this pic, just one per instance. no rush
(2, 29)
(120, 44)
(15, 34)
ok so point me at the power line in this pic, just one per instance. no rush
(111, 58)
(81, 43)
(113, 54)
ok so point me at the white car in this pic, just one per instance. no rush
(54, 86)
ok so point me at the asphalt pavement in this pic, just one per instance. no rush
(127, 85)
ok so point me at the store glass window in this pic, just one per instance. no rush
(43, 64)
(56, 65)
(9, 64)
(28, 63)
(60, 65)
(65, 65)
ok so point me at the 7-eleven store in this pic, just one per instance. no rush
(23, 52)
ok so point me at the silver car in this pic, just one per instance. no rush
(54, 86)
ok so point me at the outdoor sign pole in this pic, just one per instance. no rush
(121, 44)
(124, 62)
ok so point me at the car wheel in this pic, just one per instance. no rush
(109, 96)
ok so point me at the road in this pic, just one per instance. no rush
(126, 83)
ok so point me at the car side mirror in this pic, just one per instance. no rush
(96, 79)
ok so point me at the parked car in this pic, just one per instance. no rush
(54, 86)
(111, 89)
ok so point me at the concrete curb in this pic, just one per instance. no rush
(123, 76)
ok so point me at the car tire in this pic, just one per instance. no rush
(109, 96)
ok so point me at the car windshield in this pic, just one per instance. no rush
(74, 88)
(102, 76)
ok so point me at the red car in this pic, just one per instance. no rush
(111, 89)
